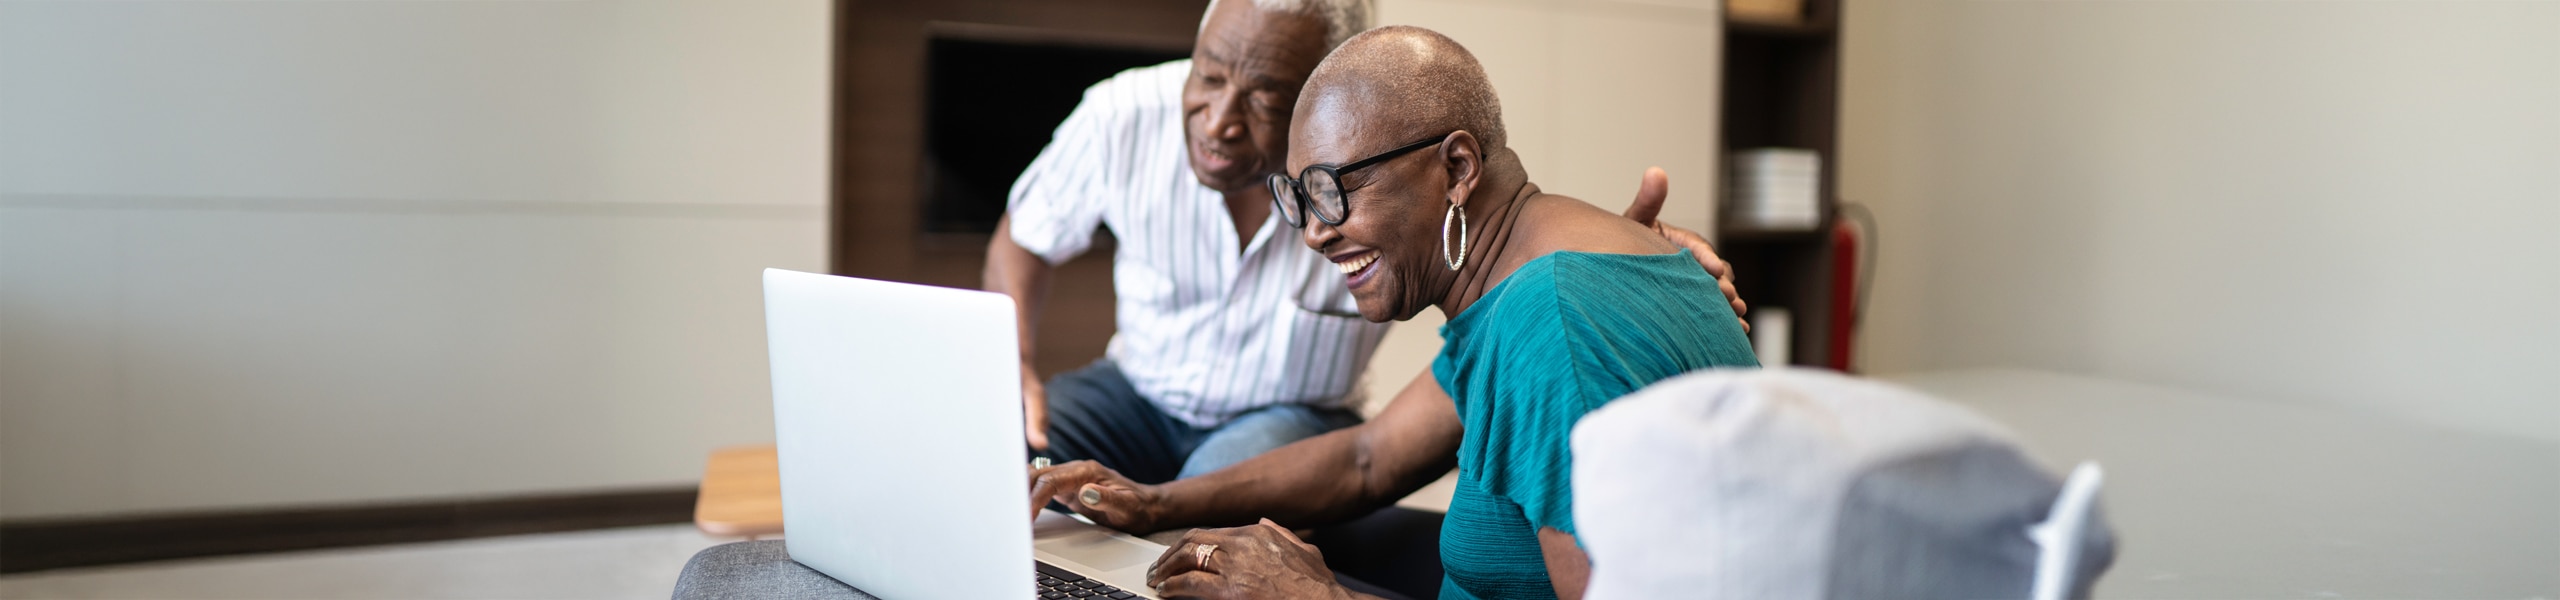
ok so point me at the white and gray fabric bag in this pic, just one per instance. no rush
(1777, 484)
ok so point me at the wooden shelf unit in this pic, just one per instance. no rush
(1781, 89)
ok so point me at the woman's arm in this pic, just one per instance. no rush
(1334, 477)
(1324, 479)
(1567, 567)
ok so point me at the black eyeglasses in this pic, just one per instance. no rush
(1319, 187)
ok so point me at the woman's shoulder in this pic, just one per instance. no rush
(1551, 223)
(1574, 294)
(1562, 237)
(1565, 238)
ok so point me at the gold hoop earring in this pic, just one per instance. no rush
(1460, 214)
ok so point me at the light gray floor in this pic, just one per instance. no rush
(638, 562)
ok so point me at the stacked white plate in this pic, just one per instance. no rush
(1776, 189)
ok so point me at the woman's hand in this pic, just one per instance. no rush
(1100, 494)
(1253, 561)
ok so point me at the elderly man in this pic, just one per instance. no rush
(1233, 339)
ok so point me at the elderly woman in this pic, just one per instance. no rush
(1555, 308)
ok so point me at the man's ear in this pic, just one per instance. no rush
(1464, 157)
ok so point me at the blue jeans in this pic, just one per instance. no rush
(1094, 414)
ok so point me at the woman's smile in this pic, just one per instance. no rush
(1357, 266)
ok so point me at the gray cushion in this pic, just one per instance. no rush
(756, 570)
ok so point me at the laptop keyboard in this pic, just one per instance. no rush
(1053, 583)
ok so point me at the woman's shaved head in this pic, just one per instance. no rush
(1404, 83)
(1389, 88)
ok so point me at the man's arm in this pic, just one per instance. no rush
(1324, 479)
(1014, 271)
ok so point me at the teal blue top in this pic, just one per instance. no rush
(1560, 337)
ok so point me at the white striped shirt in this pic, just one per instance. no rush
(1206, 331)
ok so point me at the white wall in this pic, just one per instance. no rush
(1593, 91)
(2352, 204)
(270, 253)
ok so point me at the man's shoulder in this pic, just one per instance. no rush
(1149, 87)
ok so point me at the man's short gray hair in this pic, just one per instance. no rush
(1342, 18)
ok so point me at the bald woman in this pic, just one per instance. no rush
(1555, 307)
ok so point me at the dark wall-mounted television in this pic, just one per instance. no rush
(991, 104)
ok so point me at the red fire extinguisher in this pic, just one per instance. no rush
(1852, 247)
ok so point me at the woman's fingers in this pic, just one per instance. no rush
(1062, 482)
(1184, 557)
(1105, 503)
(1155, 570)
(1102, 495)
(1165, 565)
(1198, 584)
(1043, 484)
(1263, 559)
(1105, 495)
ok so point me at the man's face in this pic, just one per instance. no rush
(1245, 72)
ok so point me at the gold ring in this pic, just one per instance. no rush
(1200, 554)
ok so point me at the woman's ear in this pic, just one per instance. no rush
(1464, 157)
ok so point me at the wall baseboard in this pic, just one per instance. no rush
(37, 545)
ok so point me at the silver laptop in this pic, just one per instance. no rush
(897, 410)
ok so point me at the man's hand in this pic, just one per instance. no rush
(1098, 493)
(1262, 560)
(1035, 410)
(1649, 197)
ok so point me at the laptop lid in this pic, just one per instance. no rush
(898, 419)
